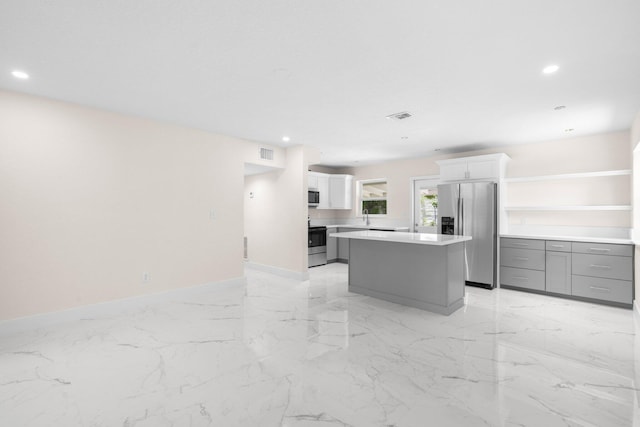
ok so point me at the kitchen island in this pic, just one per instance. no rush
(416, 269)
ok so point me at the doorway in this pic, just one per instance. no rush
(425, 204)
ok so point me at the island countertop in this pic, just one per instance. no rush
(402, 237)
(369, 227)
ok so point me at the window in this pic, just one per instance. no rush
(373, 196)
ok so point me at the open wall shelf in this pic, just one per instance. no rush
(570, 208)
(621, 172)
(577, 194)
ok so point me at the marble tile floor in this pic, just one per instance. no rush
(268, 351)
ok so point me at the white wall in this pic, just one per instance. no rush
(635, 148)
(89, 200)
(275, 214)
(582, 154)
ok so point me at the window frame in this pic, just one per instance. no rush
(360, 198)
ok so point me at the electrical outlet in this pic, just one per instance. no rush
(146, 277)
(212, 214)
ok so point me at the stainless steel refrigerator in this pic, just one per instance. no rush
(470, 209)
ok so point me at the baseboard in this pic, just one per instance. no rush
(288, 274)
(108, 309)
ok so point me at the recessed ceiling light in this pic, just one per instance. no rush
(19, 74)
(569, 130)
(559, 107)
(286, 139)
(550, 69)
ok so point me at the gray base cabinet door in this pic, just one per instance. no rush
(343, 244)
(558, 274)
(343, 249)
(332, 245)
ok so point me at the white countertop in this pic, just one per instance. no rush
(402, 237)
(571, 239)
(369, 227)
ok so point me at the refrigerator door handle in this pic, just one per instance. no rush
(457, 228)
(461, 216)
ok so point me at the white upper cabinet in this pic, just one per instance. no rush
(340, 191)
(335, 190)
(483, 169)
(312, 180)
(487, 167)
(323, 188)
(454, 171)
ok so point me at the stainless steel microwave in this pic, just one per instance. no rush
(314, 197)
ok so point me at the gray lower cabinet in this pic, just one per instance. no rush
(522, 278)
(332, 245)
(607, 267)
(522, 264)
(558, 272)
(343, 244)
(603, 272)
(603, 289)
(599, 272)
(530, 259)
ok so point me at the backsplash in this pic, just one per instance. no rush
(380, 222)
(570, 231)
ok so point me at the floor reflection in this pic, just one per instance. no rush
(280, 352)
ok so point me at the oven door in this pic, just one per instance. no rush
(317, 246)
(317, 237)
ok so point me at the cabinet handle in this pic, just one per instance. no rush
(600, 249)
(520, 278)
(598, 288)
(520, 258)
(604, 267)
(557, 246)
(520, 244)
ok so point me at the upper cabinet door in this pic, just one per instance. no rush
(483, 169)
(323, 188)
(453, 171)
(340, 191)
(312, 180)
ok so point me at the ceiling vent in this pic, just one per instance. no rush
(400, 116)
(266, 154)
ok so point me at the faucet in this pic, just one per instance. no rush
(365, 216)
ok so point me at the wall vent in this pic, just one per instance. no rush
(266, 154)
(400, 116)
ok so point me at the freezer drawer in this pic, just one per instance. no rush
(602, 289)
(507, 242)
(522, 278)
(610, 267)
(602, 249)
(522, 258)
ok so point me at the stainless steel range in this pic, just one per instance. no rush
(317, 245)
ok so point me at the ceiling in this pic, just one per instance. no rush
(326, 73)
